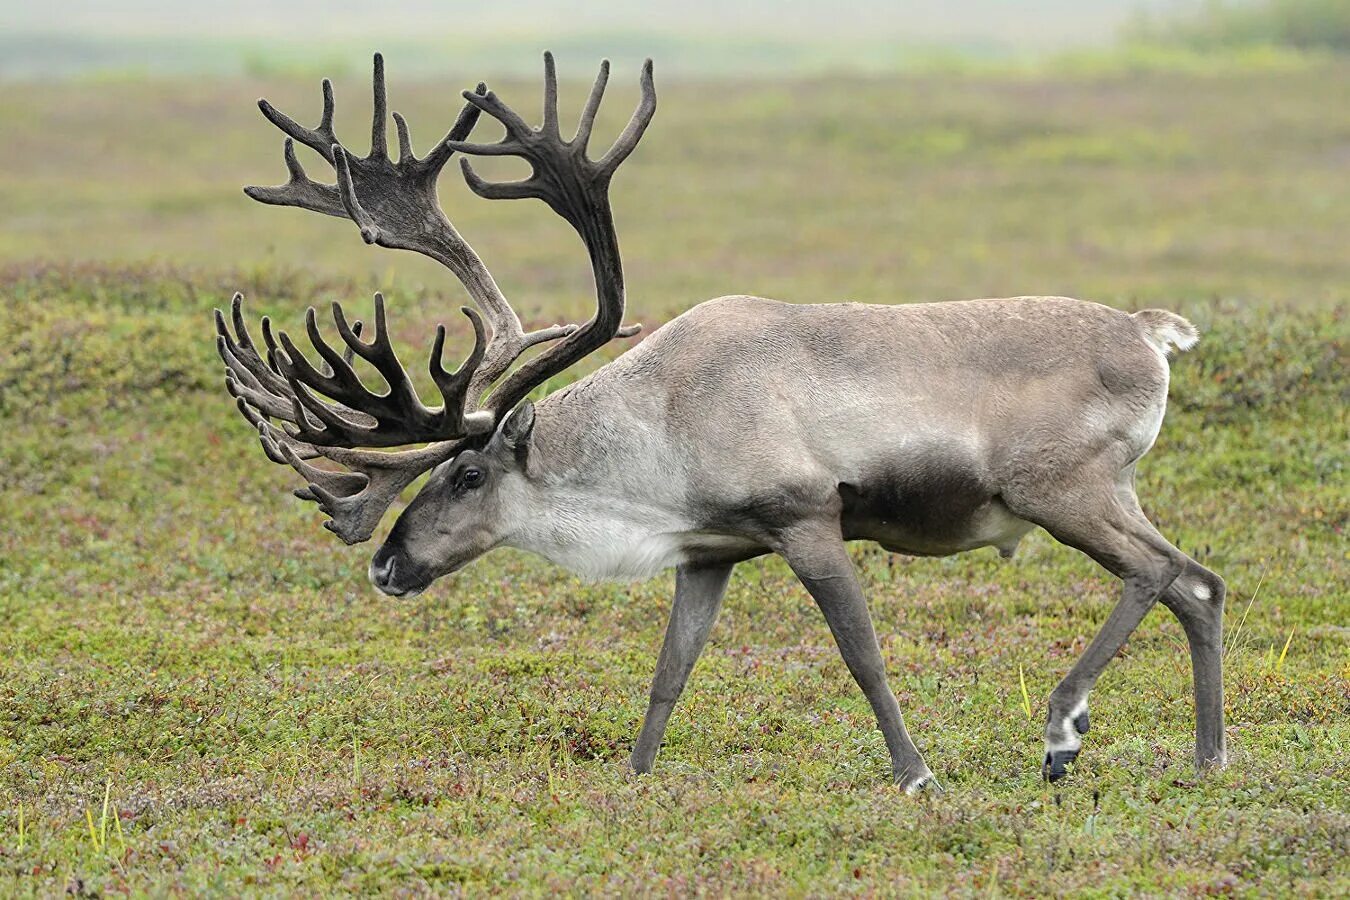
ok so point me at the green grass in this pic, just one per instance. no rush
(1317, 25)
(200, 693)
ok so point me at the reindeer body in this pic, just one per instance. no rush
(916, 424)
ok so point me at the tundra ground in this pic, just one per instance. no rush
(200, 692)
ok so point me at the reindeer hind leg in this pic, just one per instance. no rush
(1101, 518)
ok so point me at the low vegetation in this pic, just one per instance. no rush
(199, 692)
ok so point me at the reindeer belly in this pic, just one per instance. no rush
(929, 507)
(992, 525)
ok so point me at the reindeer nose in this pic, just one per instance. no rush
(382, 568)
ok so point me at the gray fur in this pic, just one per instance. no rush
(747, 426)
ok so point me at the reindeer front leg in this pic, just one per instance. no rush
(698, 597)
(819, 558)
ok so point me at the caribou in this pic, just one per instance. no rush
(743, 427)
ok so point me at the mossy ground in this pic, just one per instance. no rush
(178, 634)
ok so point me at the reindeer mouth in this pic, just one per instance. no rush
(385, 575)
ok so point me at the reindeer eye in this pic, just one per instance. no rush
(471, 477)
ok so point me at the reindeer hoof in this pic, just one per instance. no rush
(1080, 724)
(918, 783)
(1056, 762)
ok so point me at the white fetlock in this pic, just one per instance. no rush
(924, 781)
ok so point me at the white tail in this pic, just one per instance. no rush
(1165, 330)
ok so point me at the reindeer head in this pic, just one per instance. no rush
(475, 444)
(468, 506)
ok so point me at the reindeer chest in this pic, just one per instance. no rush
(614, 539)
(610, 544)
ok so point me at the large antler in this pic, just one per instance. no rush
(395, 205)
(354, 500)
(283, 387)
(577, 189)
(326, 410)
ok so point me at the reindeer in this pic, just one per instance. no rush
(741, 428)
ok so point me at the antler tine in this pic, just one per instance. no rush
(550, 124)
(637, 125)
(299, 190)
(321, 138)
(405, 151)
(502, 353)
(464, 124)
(517, 131)
(455, 386)
(380, 353)
(379, 135)
(588, 112)
(348, 354)
(370, 232)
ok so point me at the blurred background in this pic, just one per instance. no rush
(199, 691)
(873, 150)
(695, 37)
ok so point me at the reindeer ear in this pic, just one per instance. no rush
(516, 430)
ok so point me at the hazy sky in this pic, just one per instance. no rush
(1038, 23)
